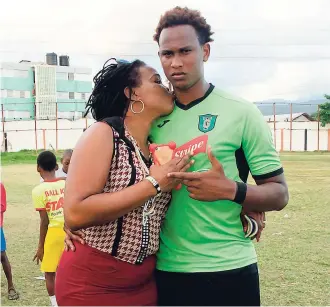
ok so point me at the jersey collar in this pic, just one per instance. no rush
(194, 102)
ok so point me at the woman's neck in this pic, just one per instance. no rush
(139, 129)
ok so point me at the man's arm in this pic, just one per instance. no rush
(44, 222)
(268, 195)
(271, 191)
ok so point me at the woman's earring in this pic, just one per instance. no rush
(142, 108)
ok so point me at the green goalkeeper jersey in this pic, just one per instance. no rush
(201, 236)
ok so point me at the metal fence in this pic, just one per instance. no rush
(293, 129)
(21, 120)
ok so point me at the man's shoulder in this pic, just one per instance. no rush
(232, 100)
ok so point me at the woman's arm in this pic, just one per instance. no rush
(85, 204)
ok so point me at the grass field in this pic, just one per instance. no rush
(294, 253)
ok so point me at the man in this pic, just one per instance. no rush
(204, 257)
(12, 293)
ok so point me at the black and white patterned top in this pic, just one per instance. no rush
(128, 238)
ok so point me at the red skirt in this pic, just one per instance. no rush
(89, 277)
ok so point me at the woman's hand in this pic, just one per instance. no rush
(159, 172)
(71, 237)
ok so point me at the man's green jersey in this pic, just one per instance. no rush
(199, 236)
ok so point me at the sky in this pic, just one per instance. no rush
(262, 49)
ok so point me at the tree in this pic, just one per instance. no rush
(324, 114)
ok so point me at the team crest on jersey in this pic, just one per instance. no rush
(207, 122)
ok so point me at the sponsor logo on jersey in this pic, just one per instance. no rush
(194, 146)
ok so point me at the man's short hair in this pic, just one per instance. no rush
(47, 161)
(184, 16)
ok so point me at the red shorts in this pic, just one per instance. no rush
(88, 277)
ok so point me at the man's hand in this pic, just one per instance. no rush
(210, 185)
(39, 255)
(259, 217)
(72, 236)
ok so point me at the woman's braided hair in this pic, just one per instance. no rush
(108, 98)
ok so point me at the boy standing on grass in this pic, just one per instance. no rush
(48, 200)
(12, 293)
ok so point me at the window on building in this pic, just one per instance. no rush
(70, 76)
(71, 95)
(22, 94)
(10, 93)
(83, 96)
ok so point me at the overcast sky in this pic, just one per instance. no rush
(263, 49)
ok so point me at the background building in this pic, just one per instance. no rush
(52, 87)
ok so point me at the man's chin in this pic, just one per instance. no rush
(180, 85)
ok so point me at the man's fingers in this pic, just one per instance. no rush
(191, 183)
(79, 233)
(192, 190)
(69, 244)
(77, 238)
(216, 165)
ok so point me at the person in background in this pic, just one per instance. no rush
(65, 161)
(48, 198)
(12, 293)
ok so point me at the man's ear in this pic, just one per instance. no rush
(206, 51)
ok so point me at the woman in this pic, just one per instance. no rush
(112, 195)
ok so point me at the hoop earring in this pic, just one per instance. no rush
(141, 108)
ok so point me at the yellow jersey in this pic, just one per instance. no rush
(49, 196)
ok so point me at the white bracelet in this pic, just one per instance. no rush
(154, 182)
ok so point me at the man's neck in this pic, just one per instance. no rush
(197, 91)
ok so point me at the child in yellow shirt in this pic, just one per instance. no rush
(48, 199)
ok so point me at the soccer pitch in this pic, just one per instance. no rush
(294, 251)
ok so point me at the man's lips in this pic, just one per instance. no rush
(178, 76)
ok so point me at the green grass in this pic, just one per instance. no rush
(294, 252)
(24, 157)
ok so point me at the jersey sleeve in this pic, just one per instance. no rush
(3, 198)
(38, 200)
(259, 150)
